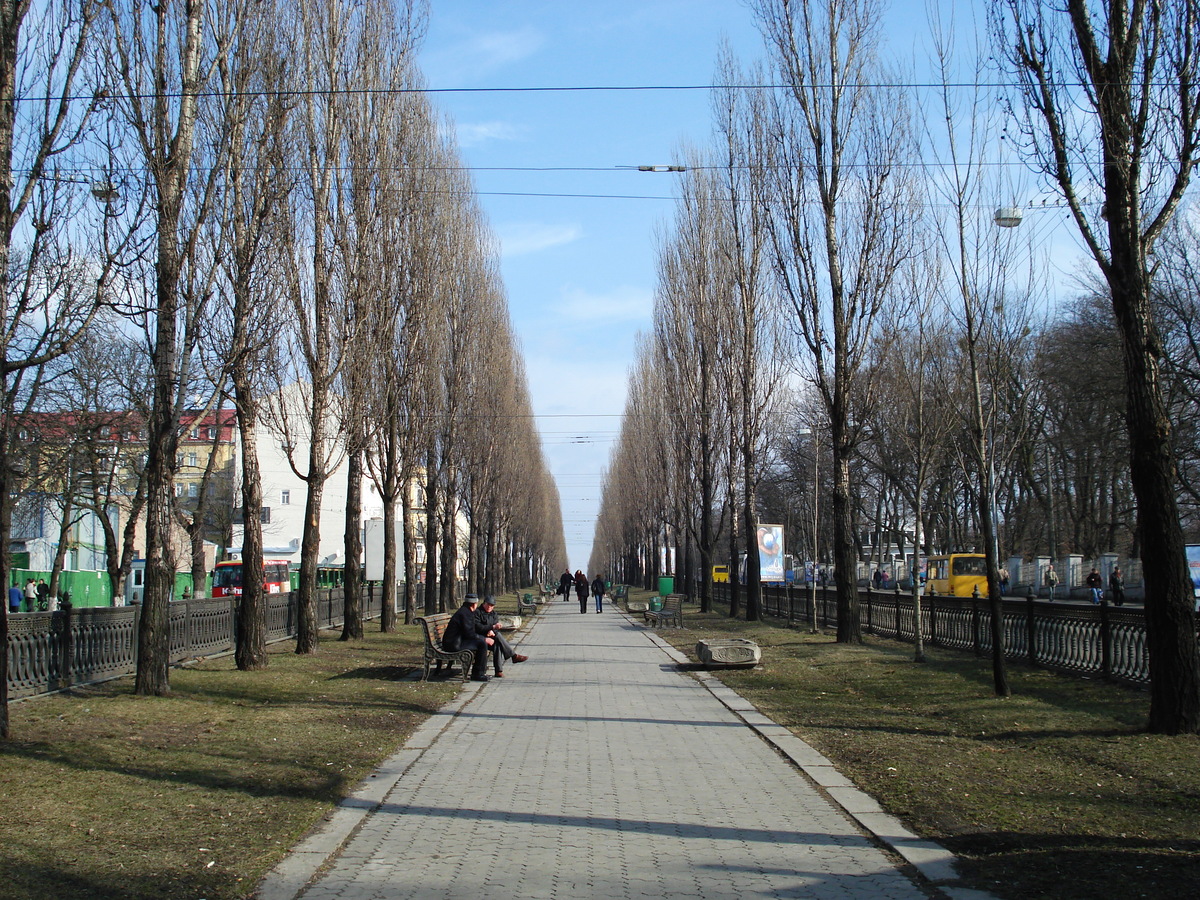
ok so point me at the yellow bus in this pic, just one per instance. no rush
(720, 574)
(957, 574)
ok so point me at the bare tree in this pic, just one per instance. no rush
(693, 285)
(163, 57)
(1108, 102)
(49, 294)
(255, 184)
(843, 211)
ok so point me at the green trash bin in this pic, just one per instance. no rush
(656, 603)
(528, 598)
(666, 585)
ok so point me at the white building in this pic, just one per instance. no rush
(285, 493)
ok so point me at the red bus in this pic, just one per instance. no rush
(227, 578)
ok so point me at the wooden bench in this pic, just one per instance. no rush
(434, 627)
(672, 611)
(526, 605)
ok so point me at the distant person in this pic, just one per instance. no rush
(43, 593)
(462, 634)
(14, 598)
(1116, 586)
(1051, 580)
(1096, 585)
(878, 578)
(581, 589)
(565, 580)
(31, 595)
(598, 592)
(1003, 581)
(486, 622)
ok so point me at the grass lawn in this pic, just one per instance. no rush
(1055, 792)
(199, 793)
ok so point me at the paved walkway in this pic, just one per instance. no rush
(612, 774)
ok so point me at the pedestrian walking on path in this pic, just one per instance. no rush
(581, 589)
(598, 592)
(605, 772)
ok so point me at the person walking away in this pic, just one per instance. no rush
(581, 589)
(462, 634)
(598, 592)
(31, 595)
(486, 622)
(564, 584)
(1116, 586)
(1096, 585)
(1051, 580)
(1003, 581)
(14, 598)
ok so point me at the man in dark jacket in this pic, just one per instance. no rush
(598, 587)
(462, 634)
(486, 620)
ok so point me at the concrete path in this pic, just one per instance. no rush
(598, 769)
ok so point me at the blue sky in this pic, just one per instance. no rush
(580, 271)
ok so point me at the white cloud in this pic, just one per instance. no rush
(519, 238)
(472, 134)
(479, 55)
(621, 304)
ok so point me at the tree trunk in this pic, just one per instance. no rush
(387, 612)
(409, 524)
(849, 626)
(1169, 605)
(352, 622)
(250, 650)
(307, 634)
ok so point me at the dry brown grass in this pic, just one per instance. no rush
(197, 794)
(1056, 792)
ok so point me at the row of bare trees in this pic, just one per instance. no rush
(254, 204)
(829, 212)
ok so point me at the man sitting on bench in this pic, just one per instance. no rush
(462, 634)
(485, 624)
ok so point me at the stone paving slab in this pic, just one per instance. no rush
(598, 769)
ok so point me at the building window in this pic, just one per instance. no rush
(285, 498)
(266, 515)
(212, 434)
(178, 490)
(192, 490)
(178, 460)
(192, 460)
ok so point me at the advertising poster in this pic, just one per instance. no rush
(770, 553)
(1193, 558)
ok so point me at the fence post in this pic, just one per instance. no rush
(898, 628)
(1105, 640)
(1030, 627)
(870, 605)
(975, 622)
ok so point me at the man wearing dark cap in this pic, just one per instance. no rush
(486, 620)
(462, 633)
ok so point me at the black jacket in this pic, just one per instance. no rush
(460, 628)
(485, 621)
(598, 587)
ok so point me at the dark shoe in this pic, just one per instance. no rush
(480, 678)
(517, 657)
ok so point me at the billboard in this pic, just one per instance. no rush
(770, 553)
(1193, 558)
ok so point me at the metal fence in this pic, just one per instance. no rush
(1084, 640)
(49, 651)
